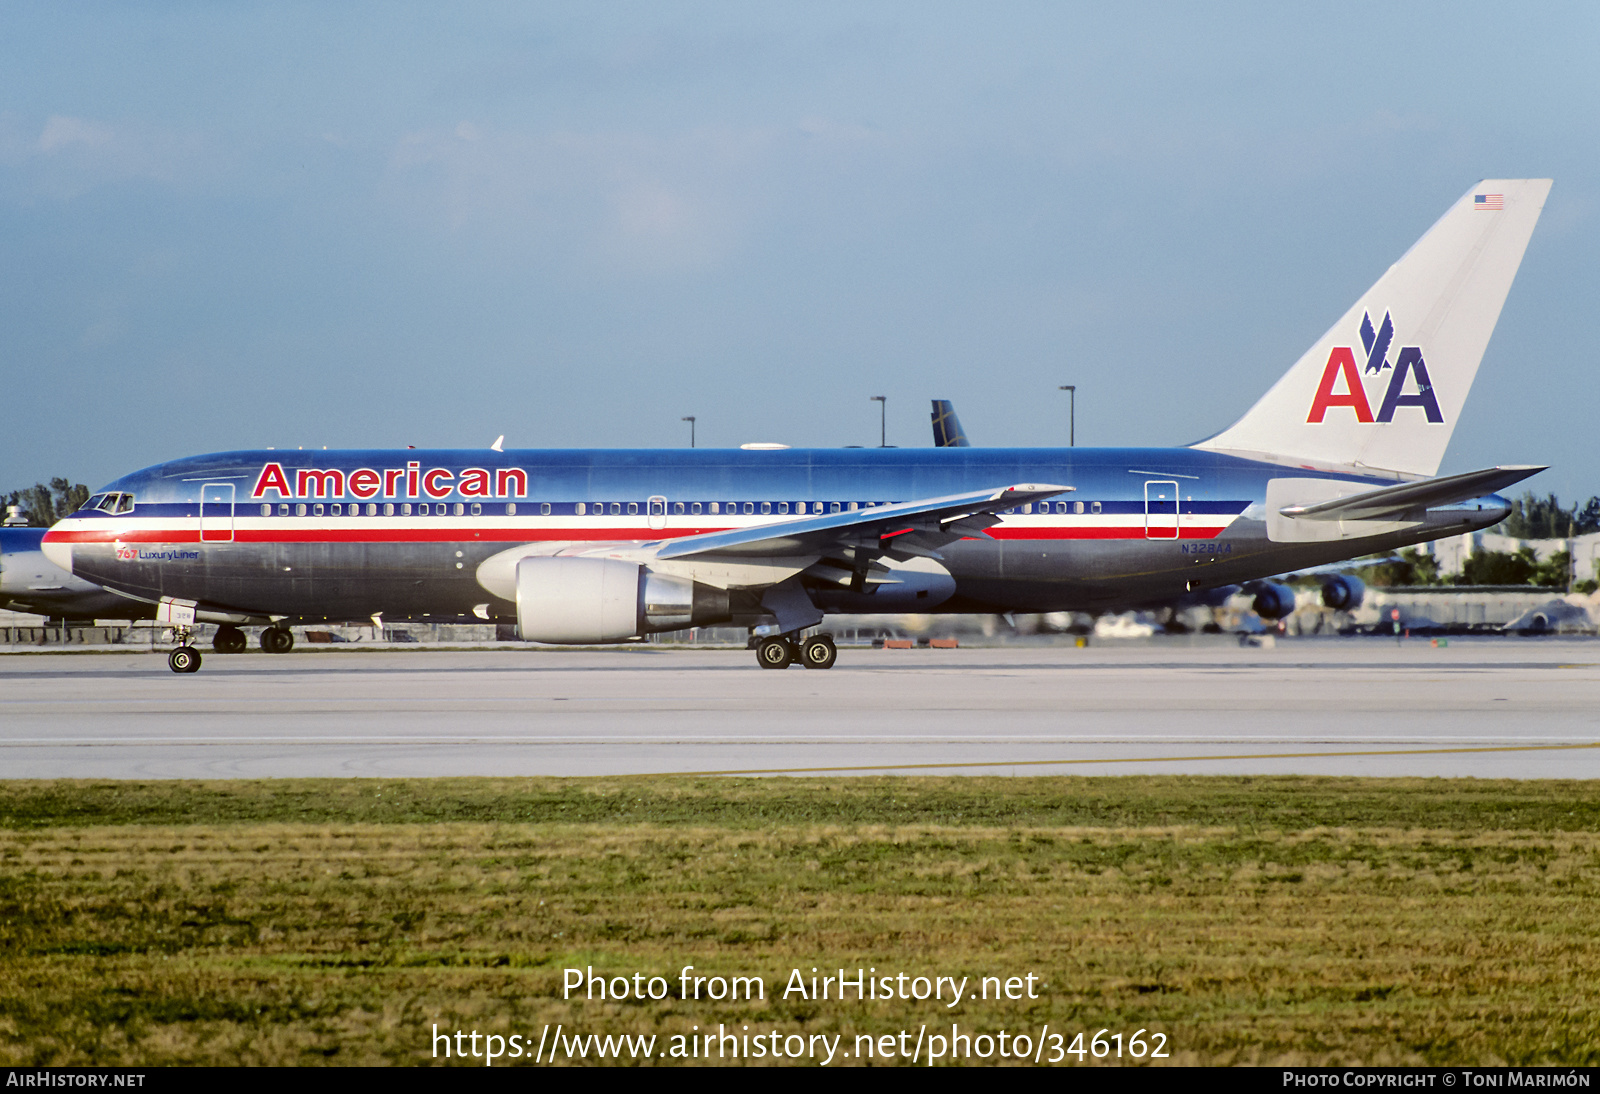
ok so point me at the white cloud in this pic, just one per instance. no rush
(65, 155)
(613, 202)
(62, 132)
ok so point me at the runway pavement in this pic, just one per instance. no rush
(1488, 708)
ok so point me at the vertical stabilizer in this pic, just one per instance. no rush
(947, 431)
(1383, 388)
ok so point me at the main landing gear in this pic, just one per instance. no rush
(815, 652)
(229, 640)
(277, 640)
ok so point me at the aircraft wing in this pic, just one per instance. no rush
(1392, 502)
(904, 530)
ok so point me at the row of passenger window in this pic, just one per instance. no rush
(1061, 507)
(615, 508)
(388, 509)
(732, 508)
(594, 508)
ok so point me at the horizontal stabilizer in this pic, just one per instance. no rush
(1394, 502)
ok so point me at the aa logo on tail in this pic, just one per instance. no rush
(1341, 368)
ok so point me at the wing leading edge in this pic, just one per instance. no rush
(904, 530)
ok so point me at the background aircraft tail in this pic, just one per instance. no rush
(1383, 388)
(947, 431)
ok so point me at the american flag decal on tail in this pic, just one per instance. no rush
(1491, 202)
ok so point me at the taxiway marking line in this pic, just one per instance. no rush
(677, 739)
(1138, 760)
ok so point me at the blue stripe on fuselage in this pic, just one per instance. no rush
(1211, 482)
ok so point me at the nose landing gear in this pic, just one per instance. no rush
(185, 658)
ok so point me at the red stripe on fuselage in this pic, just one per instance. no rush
(449, 534)
(1092, 532)
(459, 533)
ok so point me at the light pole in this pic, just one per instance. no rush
(883, 419)
(1072, 413)
(690, 420)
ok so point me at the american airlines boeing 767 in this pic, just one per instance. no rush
(1339, 459)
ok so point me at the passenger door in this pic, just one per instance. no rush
(216, 512)
(1161, 509)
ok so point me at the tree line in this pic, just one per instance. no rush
(1531, 517)
(1413, 566)
(43, 505)
(1546, 518)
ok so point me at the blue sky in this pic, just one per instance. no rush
(243, 225)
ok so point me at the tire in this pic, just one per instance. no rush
(184, 659)
(818, 652)
(229, 640)
(277, 640)
(774, 653)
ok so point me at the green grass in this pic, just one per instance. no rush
(1264, 920)
(1245, 803)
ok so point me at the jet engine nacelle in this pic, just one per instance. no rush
(1273, 601)
(583, 600)
(1343, 593)
(1212, 598)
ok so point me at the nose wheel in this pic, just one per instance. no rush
(184, 659)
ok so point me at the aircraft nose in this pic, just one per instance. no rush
(58, 551)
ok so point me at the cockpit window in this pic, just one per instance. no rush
(111, 503)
